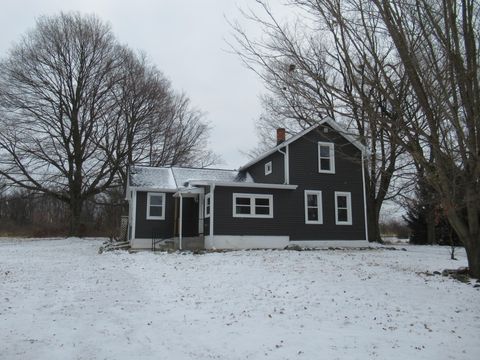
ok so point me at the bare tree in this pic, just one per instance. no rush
(56, 92)
(144, 98)
(437, 43)
(78, 108)
(159, 126)
(180, 136)
(315, 68)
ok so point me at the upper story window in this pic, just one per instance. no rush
(326, 158)
(268, 168)
(343, 208)
(155, 206)
(252, 205)
(313, 207)
(208, 205)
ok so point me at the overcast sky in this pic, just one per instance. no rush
(186, 40)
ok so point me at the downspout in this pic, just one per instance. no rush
(364, 197)
(286, 164)
(180, 223)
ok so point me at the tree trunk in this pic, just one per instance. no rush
(373, 219)
(470, 239)
(430, 218)
(76, 206)
(473, 255)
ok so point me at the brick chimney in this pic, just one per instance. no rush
(280, 135)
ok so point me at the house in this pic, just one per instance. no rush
(308, 190)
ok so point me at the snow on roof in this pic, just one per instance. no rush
(154, 177)
(172, 178)
(185, 175)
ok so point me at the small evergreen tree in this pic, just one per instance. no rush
(426, 218)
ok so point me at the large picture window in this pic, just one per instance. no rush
(253, 205)
(326, 158)
(313, 207)
(343, 208)
(155, 206)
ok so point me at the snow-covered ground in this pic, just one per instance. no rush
(60, 299)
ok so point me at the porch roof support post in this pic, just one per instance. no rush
(212, 212)
(180, 223)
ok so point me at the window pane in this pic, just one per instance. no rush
(341, 201)
(312, 214)
(312, 200)
(342, 215)
(243, 209)
(243, 201)
(156, 211)
(156, 200)
(324, 151)
(265, 202)
(325, 164)
(261, 210)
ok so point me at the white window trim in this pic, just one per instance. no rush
(252, 205)
(319, 207)
(349, 208)
(332, 158)
(268, 168)
(152, 217)
(208, 197)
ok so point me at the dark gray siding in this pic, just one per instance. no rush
(226, 224)
(162, 229)
(288, 205)
(257, 171)
(348, 177)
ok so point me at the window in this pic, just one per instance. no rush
(343, 208)
(253, 205)
(208, 201)
(268, 168)
(313, 207)
(155, 206)
(326, 158)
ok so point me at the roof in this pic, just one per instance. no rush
(185, 175)
(143, 176)
(350, 137)
(173, 178)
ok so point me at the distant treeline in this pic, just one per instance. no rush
(32, 214)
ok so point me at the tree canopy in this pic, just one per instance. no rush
(77, 107)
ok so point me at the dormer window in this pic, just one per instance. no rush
(326, 158)
(268, 168)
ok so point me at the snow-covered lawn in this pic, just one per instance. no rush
(59, 299)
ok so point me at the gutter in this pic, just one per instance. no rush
(240, 184)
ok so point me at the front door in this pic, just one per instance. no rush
(190, 217)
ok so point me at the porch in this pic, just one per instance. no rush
(188, 222)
